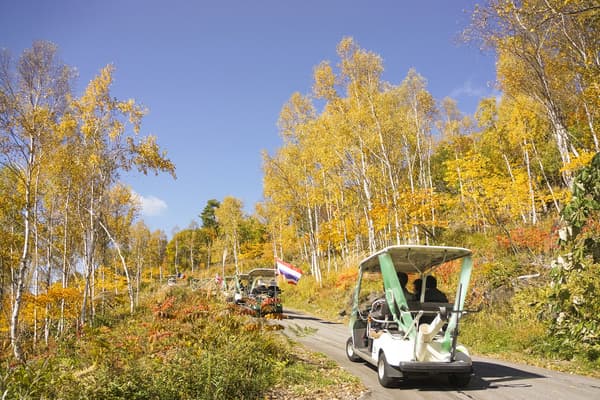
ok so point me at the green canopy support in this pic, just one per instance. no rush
(394, 294)
(459, 303)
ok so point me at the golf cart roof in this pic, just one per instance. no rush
(415, 258)
(263, 272)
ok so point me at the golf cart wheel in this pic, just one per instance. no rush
(383, 372)
(350, 351)
(459, 380)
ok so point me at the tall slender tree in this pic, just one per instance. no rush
(210, 227)
(33, 95)
(229, 215)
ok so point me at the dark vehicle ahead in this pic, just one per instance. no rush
(261, 295)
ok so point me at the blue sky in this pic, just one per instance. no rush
(215, 74)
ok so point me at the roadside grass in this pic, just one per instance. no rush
(179, 345)
(311, 375)
(508, 337)
(302, 331)
(498, 334)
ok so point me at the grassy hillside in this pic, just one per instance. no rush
(181, 344)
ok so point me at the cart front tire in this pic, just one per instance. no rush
(384, 372)
(350, 351)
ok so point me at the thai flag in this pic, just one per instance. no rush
(291, 273)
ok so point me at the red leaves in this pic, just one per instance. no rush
(533, 238)
(347, 279)
(164, 309)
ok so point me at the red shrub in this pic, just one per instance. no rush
(533, 238)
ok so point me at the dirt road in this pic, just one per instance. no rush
(493, 379)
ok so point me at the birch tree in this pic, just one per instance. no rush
(141, 252)
(547, 51)
(33, 95)
(106, 148)
(229, 214)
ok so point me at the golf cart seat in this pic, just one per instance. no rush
(273, 290)
(430, 309)
(380, 310)
(262, 289)
(381, 316)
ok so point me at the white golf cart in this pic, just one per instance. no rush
(409, 338)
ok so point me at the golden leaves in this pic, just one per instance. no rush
(346, 170)
(148, 156)
(324, 85)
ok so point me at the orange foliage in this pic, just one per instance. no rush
(347, 279)
(158, 335)
(165, 309)
(49, 304)
(252, 327)
(447, 271)
(193, 312)
(531, 238)
(592, 226)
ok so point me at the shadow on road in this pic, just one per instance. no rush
(487, 376)
(497, 375)
(300, 316)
